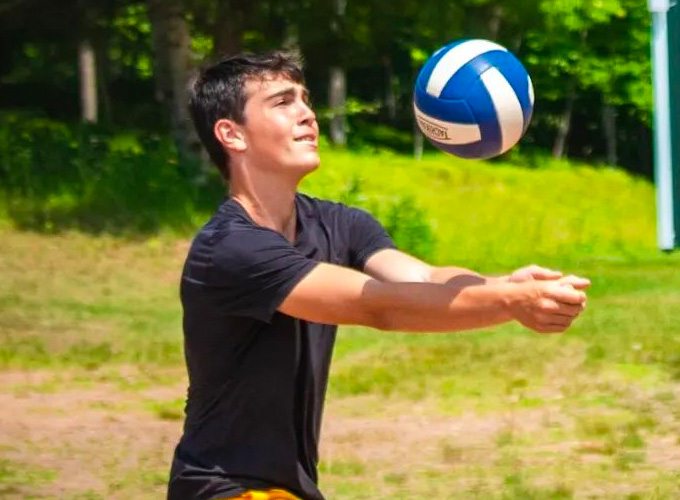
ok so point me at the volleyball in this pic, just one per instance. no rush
(473, 99)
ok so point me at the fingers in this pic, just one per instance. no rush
(556, 317)
(552, 323)
(558, 292)
(534, 272)
(551, 328)
(543, 273)
(561, 309)
(549, 306)
(576, 282)
(556, 306)
(546, 323)
(538, 273)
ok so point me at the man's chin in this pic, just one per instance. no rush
(311, 164)
(304, 165)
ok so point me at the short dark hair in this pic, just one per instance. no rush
(219, 92)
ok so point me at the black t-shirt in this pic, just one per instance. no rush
(257, 377)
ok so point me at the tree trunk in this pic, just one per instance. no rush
(495, 22)
(390, 84)
(172, 68)
(565, 123)
(417, 142)
(609, 127)
(229, 26)
(337, 82)
(291, 38)
(88, 82)
(337, 102)
(103, 78)
(418, 139)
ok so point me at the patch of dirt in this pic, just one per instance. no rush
(410, 440)
(89, 436)
(84, 437)
(101, 441)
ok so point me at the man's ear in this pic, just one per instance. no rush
(230, 135)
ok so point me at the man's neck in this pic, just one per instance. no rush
(269, 204)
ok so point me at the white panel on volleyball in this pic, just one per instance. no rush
(455, 59)
(454, 134)
(508, 107)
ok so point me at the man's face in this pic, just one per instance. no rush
(280, 129)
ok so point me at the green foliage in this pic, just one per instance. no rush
(602, 46)
(442, 209)
(403, 218)
(352, 107)
(55, 177)
(597, 50)
(407, 223)
(129, 49)
(370, 137)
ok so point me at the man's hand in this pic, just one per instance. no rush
(532, 273)
(549, 306)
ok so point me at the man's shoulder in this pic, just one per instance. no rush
(323, 208)
(314, 204)
(223, 221)
(228, 227)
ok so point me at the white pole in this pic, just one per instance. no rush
(662, 124)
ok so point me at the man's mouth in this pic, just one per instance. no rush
(311, 138)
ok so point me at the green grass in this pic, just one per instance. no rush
(15, 476)
(96, 311)
(491, 215)
(499, 414)
(474, 213)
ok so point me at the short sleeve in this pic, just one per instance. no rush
(253, 270)
(366, 236)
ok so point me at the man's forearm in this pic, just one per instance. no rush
(337, 295)
(460, 276)
(420, 307)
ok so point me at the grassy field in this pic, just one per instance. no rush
(93, 383)
(493, 215)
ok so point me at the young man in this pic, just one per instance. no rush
(272, 273)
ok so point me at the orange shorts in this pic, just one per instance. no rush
(266, 495)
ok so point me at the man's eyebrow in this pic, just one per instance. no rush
(289, 91)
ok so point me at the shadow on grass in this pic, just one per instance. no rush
(123, 214)
(144, 222)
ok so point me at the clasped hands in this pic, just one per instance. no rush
(544, 300)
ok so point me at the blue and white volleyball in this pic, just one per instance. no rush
(473, 99)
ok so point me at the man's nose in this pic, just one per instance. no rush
(306, 113)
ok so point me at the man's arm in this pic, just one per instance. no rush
(396, 266)
(337, 295)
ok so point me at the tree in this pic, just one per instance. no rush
(87, 61)
(337, 81)
(594, 48)
(173, 68)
